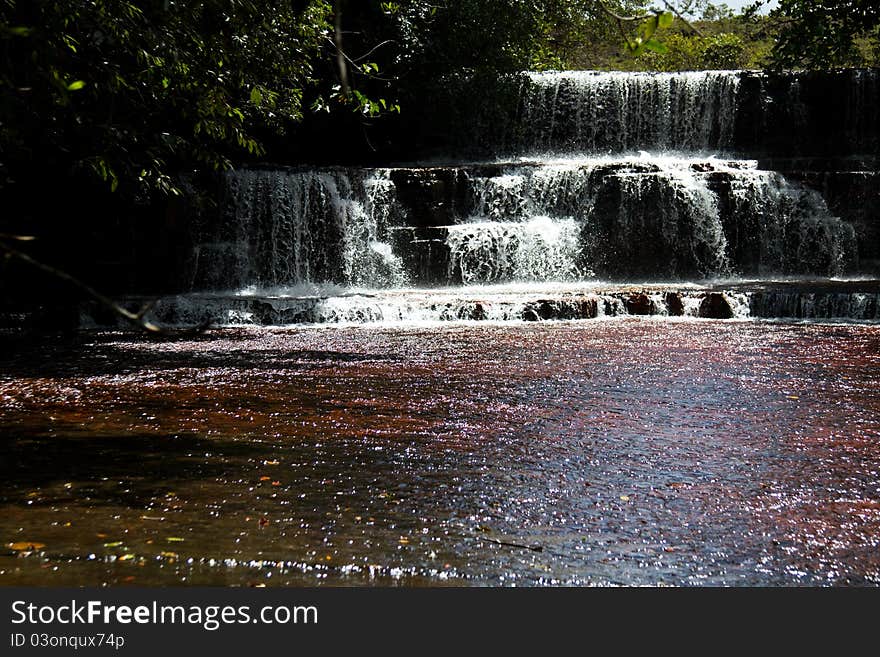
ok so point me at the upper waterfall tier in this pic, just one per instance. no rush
(830, 120)
(586, 111)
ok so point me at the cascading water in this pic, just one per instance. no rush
(541, 249)
(583, 207)
(614, 112)
(672, 214)
(789, 228)
(286, 228)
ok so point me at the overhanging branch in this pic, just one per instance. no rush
(135, 319)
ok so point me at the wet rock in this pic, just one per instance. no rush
(589, 309)
(427, 194)
(61, 316)
(529, 314)
(610, 308)
(674, 304)
(560, 309)
(824, 304)
(715, 306)
(475, 311)
(639, 304)
(364, 315)
(447, 311)
(540, 310)
(576, 308)
(548, 310)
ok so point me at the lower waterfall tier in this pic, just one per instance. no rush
(630, 218)
(828, 300)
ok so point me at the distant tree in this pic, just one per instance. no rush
(825, 33)
(723, 51)
(716, 11)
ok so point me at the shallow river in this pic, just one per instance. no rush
(604, 452)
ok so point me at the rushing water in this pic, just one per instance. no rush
(567, 219)
(609, 176)
(618, 112)
(610, 452)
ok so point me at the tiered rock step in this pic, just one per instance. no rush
(855, 300)
(647, 217)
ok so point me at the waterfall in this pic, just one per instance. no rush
(614, 112)
(541, 249)
(612, 178)
(651, 217)
(288, 227)
(669, 220)
(648, 217)
(790, 227)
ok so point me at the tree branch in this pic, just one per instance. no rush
(340, 53)
(137, 320)
(372, 50)
(684, 20)
(621, 19)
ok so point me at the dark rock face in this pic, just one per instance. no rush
(818, 304)
(827, 115)
(640, 304)
(429, 195)
(560, 309)
(855, 197)
(642, 226)
(424, 252)
(674, 304)
(716, 306)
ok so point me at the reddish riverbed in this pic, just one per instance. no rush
(617, 452)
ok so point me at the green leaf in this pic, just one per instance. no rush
(647, 29)
(256, 96)
(636, 46)
(17, 31)
(76, 85)
(656, 46)
(665, 19)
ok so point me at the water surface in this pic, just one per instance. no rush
(613, 452)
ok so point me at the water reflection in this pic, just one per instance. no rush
(620, 452)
